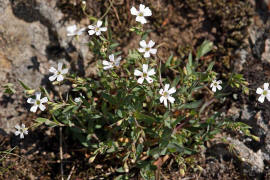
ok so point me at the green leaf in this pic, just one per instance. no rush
(168, 62)
(204, 49)
(210, 67)
(24, 85)
(47, 122)
(144, 117)
(192, 105)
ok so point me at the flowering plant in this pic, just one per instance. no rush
(133, 110)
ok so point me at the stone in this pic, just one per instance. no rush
(33, 38)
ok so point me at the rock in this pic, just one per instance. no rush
(251, 163)
(33, 38)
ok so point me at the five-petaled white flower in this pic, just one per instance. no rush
(72, 30)
(216, 85)
(38, 103)
(145, 74)
(96, 29)
(265, 92)
(21, 130)
(143, 11)
(113, 62)
(147, 48)
(58, 73)
(166, 95)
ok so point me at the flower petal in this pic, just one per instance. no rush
(219, 87)
(172, 90)
(140, 80)
(106, 63)
(44, 100)
(165, 102)
(151, 43)
(259, 91)
(141, 50)
(17, 133)
(60, 78)
(268, 97)
(91, 32)
(166, 88)
(60, 66)
(134, 11)
(266, 86)
(103, 29)
(30, 101)
(64, 71)
(146, 54)
(261, 98)
(111, 57)
(91, 27)
(149, 79)
(147, 12)
(98, 33)
(53, 70)
(161, 91)
(161, 99)
(171, 99)
(143, 44)
(141, 19)
(214, 88)
(21, 135)
(53, 77)
(38, 95)
(141, 8)
(137, 73)
(145, 68)
(34, 108)
(23, 126)
(151, 72)
(99, 23)
(42, 107)
(107, 67)
(153, 51)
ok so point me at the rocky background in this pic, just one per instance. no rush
(33, 38)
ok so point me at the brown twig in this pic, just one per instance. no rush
(71, 172)
(61, 153)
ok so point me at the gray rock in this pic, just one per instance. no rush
(251, 162)
(32, 38)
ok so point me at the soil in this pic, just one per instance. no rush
(181, 26)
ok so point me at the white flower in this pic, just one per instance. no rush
(59, 73)
(72, 30)
(96, 29)
(38, 103)
(113, 62)
(78, 100)
(265, 92)
(145, 74)
(21, 131)
(216, 85)
(165, 95)
(147, 48)
(143, 11)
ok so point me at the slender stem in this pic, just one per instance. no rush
(61, 153)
